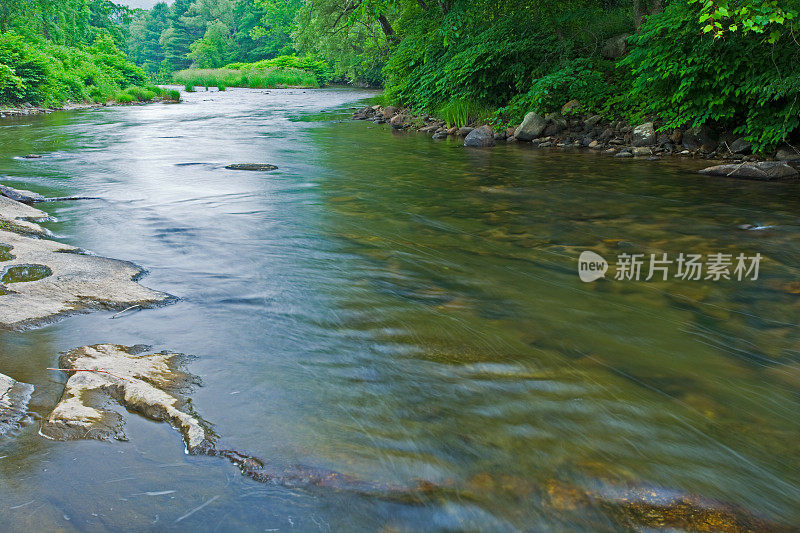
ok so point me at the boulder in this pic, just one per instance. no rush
(788, 154)
(14, 398)
(641, 151)
(595, 145)
(532, 126)
(480, 137)
(397, 122)
(624, 154)
(440, 135)
(740, 146)
(590, 122)
(644, 134)
(700, 137)
(764, 170)
(677, 137)
(607, 134)
(615, 47)
(389, 112)
(464, 131)
(555, 119)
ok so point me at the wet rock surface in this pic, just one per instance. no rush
(254, 167)
(14, 398)
(151, 385)
(764, 170)
(41, 279)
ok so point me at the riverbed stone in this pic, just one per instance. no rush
(463, 131)
(14, 398)
(763, 170)
(644, 134)
(480, 137)
(389, 112)
(253, 167)
(624, 154)
(532, 126)
(398, 122)
(641, 151)
(151, 385)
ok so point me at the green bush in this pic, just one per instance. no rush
(39, 72)
(739, 82)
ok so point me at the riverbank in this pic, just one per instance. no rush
(569, 129)
(24, 110)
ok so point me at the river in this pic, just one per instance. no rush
(395, 308)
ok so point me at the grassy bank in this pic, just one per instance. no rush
(289, 71)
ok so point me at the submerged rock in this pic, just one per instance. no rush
(764, 170)
(150, 385)
(14, 398)
(480, 137)
(256, 167)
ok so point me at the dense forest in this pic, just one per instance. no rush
(728, 64)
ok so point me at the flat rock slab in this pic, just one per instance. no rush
(14, 398)
(21, 195)
(41, 279)
(103, 374)
(257, 167)
(764, 170)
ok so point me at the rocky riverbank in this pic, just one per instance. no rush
(24, 110)
(570, 129)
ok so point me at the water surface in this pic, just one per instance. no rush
(395, 308)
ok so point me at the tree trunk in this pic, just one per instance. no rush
(388, 31)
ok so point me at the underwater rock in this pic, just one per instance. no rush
(14, 398)
(151, 385)
(256, 167)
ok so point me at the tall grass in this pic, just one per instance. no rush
(460, 112)
(254, 78)
(146, 94)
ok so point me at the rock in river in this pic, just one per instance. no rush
(41, 278)
(150, 385)
(257, 167)
(764, 170)
(480, 137)
(14, 398)
(21, 195)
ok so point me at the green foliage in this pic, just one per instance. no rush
(581, 79)
(770, 17)
(189, 88)
(738, 82)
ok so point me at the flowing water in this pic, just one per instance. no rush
(395, 309)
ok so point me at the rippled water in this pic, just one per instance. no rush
(395, 308)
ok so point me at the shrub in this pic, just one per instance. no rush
(739, 82)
